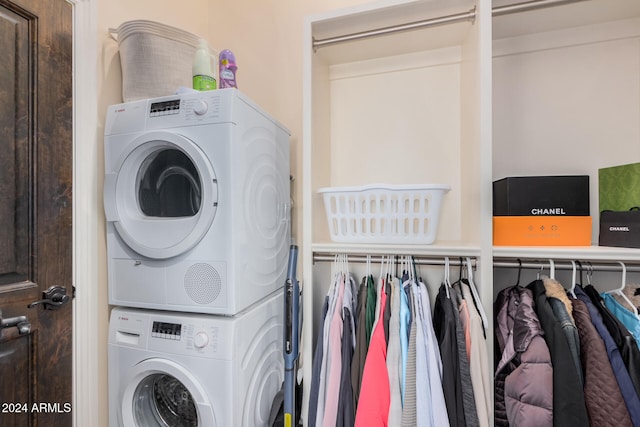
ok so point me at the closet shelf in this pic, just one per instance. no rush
(593, 253)
(440, 249)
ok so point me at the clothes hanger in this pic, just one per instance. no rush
(447, 284)
(476, 295)
(519, 272)
(579, 268)
(383, 265)
(345, 266)
(552, 269)
(573, 280)
(414, 269)
(620, 292)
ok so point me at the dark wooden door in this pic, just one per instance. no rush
(35, 212)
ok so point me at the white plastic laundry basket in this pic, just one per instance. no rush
(155, 58)
(384, 213)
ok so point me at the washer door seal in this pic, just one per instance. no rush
(165, 195)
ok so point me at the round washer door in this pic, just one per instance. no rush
(165, 194)
(161, 393)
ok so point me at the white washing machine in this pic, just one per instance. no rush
(195, 370)
(197, 201)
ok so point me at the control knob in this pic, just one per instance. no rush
(200, 107)
(200, 340)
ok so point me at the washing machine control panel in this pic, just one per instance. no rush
(164, 108)
(170, 331)
(185, 337)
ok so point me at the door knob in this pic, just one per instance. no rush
(53, 298)
(20, 322)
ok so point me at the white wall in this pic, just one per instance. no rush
(266, 37)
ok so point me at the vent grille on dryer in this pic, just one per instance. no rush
(202, 283)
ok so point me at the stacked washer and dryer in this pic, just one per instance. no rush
(197, 203)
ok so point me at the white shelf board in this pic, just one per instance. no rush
(592, 253)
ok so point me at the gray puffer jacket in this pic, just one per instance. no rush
(524, 374)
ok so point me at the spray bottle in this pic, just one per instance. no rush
(228, 68)
(203, 76)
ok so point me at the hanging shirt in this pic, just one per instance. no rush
(373, 405)
(322, 387)
(423, 390)
(478, 361)
(371, 308)
(463, 311)
(405, 320)
(346, 410)
(410, 397)
(360, 351)
(468, 399)
(316, 367)
(394, 362)
(437, 408)
(444, 325)
(334, 362)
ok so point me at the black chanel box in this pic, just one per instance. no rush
(620, 228)
(541, 196)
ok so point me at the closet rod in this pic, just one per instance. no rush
(432, 22)
(418, 259)
(528, 6)
(564, 265)
(442, 20)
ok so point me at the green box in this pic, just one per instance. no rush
(619, 187)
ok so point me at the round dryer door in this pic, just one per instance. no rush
(165, 195)
(162, 394)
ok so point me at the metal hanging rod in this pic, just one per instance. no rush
(529, 6)
(470, 15)
(432, 22)
(565, 265)
(454, 261)
(418, 259)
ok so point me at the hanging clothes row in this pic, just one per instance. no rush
(383, 359)
(562, 358)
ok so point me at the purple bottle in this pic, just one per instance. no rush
(228, 67)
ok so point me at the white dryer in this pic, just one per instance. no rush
(195, 370)
(197, 199)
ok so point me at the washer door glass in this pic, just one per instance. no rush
(169, 185)
(165, 195)
(161, 400)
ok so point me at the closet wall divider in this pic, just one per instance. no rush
(464, 92)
